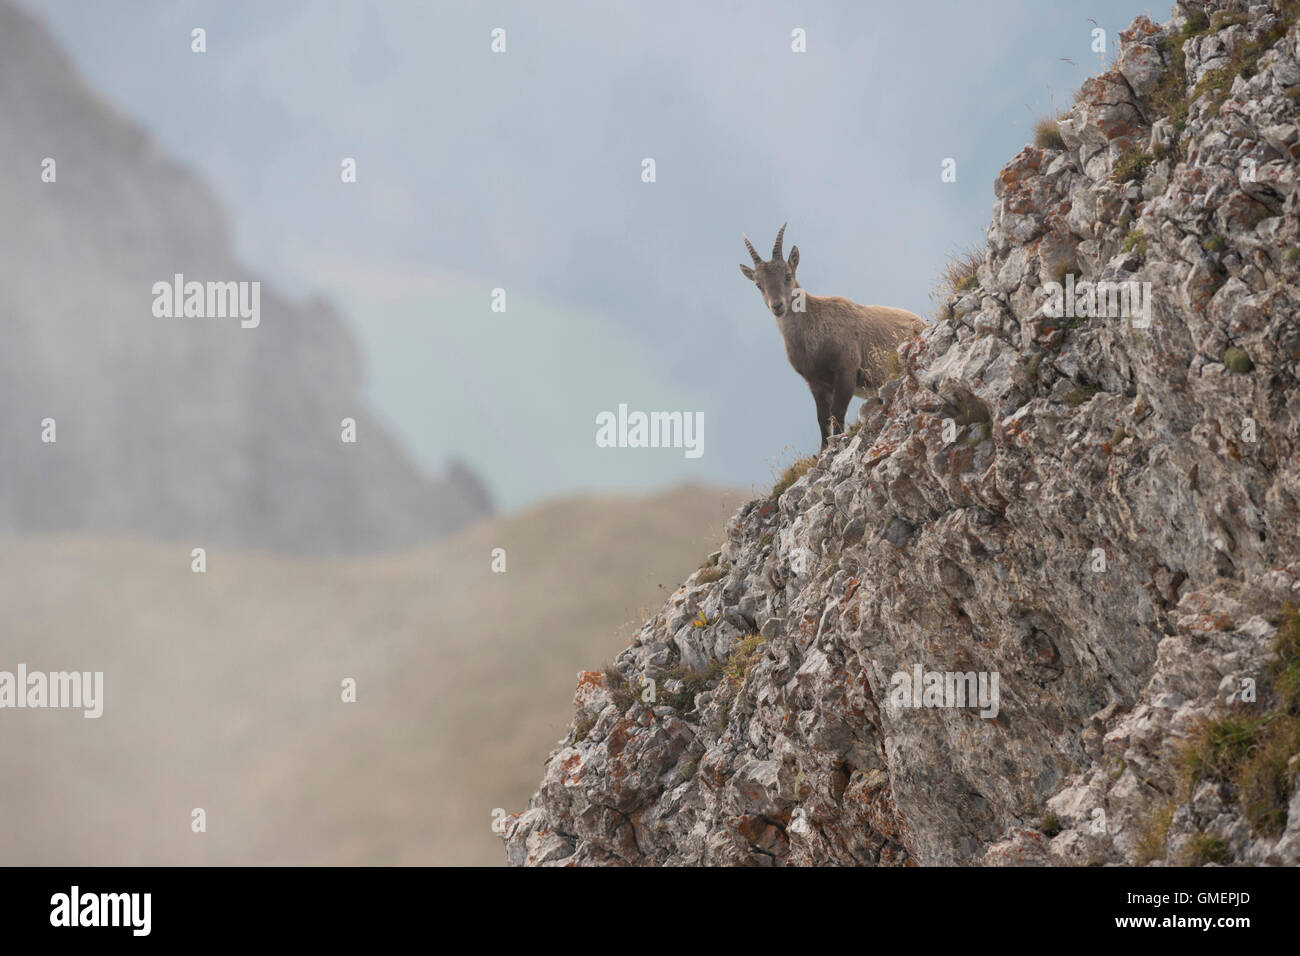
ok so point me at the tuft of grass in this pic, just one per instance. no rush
(1255, 757)
(1266, 779)
(581, 727)
(742, 658)
(1206, 848)
(1264, 776)
(694, 683)
(708, 575)
(961, 274)
(1063, 270)
(1032, 365)
(1286, 677)
(690, 767)
(792, 474)
(1135, 241)
(1170, 98)
(1223, 18)
(1197, 23)
(1050, 825)
(1077, 396)
(1131, 166)
(623, 693)
(1258, 214)
(1215, 243)
(1047, 133)
(1154, 834)
(893, 365)
(1219, 747)
(1254, 754)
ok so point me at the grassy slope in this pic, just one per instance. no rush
(222, 690)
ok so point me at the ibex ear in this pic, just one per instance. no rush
(794, 258)
(747, 272)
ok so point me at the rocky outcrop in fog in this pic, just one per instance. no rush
(193, 428)
(1101, 511)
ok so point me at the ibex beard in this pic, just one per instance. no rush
(840, 348)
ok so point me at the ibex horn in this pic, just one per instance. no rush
(776, 249)
(758, 260)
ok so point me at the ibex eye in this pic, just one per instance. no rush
(788, 277)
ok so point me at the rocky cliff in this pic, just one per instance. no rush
(1100, 510)
(185, 428)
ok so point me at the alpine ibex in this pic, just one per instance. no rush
(841, 348)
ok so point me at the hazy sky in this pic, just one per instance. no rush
(522, 171)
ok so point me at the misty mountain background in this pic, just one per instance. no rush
(522, 171)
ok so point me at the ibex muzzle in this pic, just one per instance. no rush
(840, 348)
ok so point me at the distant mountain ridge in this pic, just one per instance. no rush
(181, 428)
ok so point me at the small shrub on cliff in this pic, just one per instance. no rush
(1237, 360)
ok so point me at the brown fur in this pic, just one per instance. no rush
(840, 348)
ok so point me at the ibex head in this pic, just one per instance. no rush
(775, 279)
